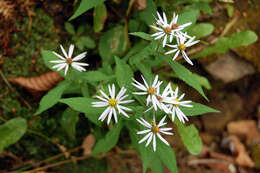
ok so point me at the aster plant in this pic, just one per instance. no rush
(133, 87)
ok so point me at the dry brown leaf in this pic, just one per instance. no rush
(242, 157)
(38, 84)
(88, 144)
(245, 128)
(139, 5)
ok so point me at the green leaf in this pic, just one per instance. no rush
(188, 16)
(109, 141)
(190, 137)
(242, 38)
(202, 81)
(124, 73)
(142, 35)
(201, 30)
(12, 131)
(112, 42)
(52, 97)
(230, 10)
(84, 105)
(147, 15)
(197, 109)
(95, 76)
(184, 74)
(47, 57)
(69, 121)
(69, 28)
(166, 155)
(88, 42)
(100, 16)
(84, 6)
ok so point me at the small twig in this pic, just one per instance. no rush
(130, 5)
(11, 88)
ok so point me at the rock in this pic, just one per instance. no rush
(229, 68)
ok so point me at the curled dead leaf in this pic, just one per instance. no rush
(245, 128)
(37, 85)
(236, 147)
(88, 144)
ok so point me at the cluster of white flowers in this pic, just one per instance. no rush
(167, 101)
(167, 31)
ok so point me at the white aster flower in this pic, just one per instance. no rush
(174, 105)
(153, 131)
(181, 47)
(166, 29)
(162, 99)
(67, 60)
(112, 102)
(149, 90)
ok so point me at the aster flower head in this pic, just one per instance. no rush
(149, 90)
(181, 46)
(162, 99)
(67, 60)
(154, 130)
(175, 103)
(165, 29)
(113, 103)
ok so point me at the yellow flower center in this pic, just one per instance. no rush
(176, 100)
(68, 60)
(167, 30)
(151, 90)
(182, 47)
(175, 26)
(155, 129)
(112, 102)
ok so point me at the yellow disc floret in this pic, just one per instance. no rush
(176, 100)
(151, 90)
(155, 129)
(167, 30)
(182, 47)
(112, 102)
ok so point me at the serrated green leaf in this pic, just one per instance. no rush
(95, 76)
(47, 57)
(242, 38)
(201, 30)
(112, 42)
(184, 74)
(166, 155)
(100, 16)
(84, 105)
(188, 16)
(12, 131)
(109, 141)
(190, 137)
(142, 35)
(52, 97)
(69, 121)
(197, 109)
(84, 6)
(69, 28)
(124, 73)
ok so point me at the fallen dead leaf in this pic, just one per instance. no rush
(139, 5)
(236, 147)
(88, 144)
(64, 150)
(245, 128)
(37, 85)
